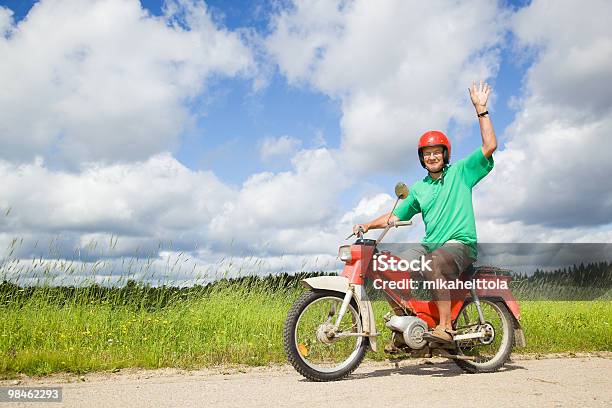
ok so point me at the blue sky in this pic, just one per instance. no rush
(294, 118)
(235, 117)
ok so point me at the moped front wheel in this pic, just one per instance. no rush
(312, 348)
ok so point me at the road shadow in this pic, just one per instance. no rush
(444, 369)
(429, 369)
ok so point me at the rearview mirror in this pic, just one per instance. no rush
(401, 190)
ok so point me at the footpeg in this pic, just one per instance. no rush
(434, 340)
(430, 337)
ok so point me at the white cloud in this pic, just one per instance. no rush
(491, 231)
(555, 170)
(157, 209)
(574, 45)
(143, 204)
(285, 212)
(281, 147)
(155, 200)
(368, 208)
(6, 20)
(398, 68)
(91, 80)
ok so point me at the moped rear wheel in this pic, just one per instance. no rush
(309, 350)
(489, 353)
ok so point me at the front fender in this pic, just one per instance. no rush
(335, 283)
(341, 284)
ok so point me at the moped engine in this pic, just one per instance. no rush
(410, 329)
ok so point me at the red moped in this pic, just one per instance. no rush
(330, 327)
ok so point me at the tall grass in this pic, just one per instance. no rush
(229, 323)
(41, 334)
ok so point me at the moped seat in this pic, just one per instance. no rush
(468, 273)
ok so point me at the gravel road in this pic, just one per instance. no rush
(550, 382)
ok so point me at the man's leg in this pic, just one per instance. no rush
(443, 265)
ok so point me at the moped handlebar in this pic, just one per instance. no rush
(395, 224)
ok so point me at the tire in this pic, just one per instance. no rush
(494, 363)
(301, 363)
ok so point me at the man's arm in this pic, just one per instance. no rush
(380, 222)
(480, 95)
(405, 211)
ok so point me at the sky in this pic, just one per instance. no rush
(248, 136)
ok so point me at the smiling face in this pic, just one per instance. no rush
(433, 156)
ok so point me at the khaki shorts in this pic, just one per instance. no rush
(459, 252)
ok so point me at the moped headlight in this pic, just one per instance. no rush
(344, 253)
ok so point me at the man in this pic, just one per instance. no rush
(444, 198)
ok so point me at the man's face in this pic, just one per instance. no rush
(434, 158)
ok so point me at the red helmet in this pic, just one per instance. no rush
(434, 138)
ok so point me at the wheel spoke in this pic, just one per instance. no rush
(314, 321)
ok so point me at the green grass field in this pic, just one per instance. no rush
(49, 331)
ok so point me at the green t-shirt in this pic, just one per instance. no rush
(446, 203)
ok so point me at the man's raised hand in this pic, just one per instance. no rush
(479, 93)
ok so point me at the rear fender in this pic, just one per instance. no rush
(341, 284)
